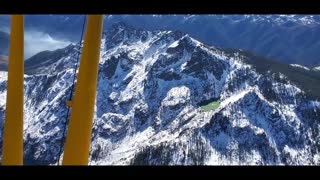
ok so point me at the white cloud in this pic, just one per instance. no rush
(35, 42)
(5, 29)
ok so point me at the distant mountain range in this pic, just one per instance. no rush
(4, 43)
(292, 39)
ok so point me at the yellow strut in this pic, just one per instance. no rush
(78, 139)
(13, 125)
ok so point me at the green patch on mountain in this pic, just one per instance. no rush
(210, 106)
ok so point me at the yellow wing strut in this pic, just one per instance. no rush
(13, 125)
(76, 151)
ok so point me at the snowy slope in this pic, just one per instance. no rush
(147, 110)
(299, 66)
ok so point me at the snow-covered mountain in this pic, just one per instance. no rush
(150, 90)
